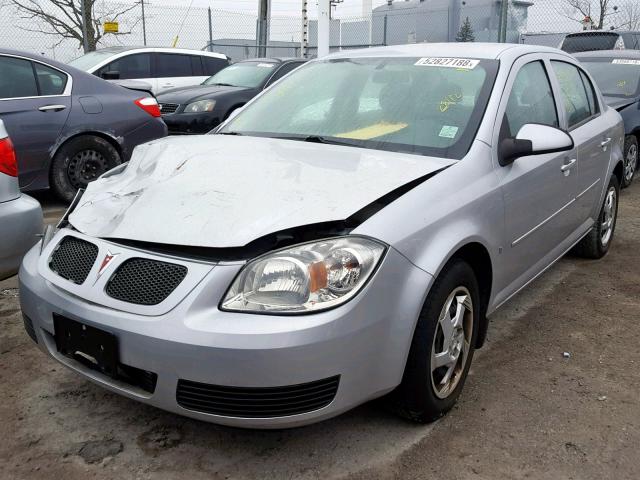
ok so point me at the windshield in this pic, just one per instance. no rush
(88, 61)
(428, 106)
(244, 74)
(590, 41)
(616, 77)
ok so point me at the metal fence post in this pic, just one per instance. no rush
(502, 28)
(384, 31)
(144, 25)
(210, 31)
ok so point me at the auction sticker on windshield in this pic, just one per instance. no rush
(625, 61)
(464, 63)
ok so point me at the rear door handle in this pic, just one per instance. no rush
(605, 142)
(568, 166)
(55, 108)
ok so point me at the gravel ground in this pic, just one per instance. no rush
(527, 411)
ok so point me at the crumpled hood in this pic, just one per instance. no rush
(619, 103)
(225, 191)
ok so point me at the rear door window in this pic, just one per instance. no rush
(130, 67)
(17, 78)
(50, 81)
(173, 65)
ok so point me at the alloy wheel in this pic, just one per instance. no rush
(608, 216)
(451, 342)
(630, 162)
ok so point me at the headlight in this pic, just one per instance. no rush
(308, 277)
(200, 106)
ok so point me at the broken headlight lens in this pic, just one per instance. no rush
(305, 278)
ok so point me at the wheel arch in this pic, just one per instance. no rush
(618, 171)
(95, 133)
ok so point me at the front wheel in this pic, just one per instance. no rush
(597, 242)
(80, 161)
(630, 160)
(442, 347)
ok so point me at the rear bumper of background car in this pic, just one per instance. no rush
(20, 225)
(219, 366)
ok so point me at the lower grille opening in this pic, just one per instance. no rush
(250, 402)
(28, 327)
(133, 376)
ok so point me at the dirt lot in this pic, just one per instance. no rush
(526, 412)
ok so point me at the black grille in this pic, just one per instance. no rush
(28, 327)
(145, 282)
(73, 258)
(166, 108)
(256, 402)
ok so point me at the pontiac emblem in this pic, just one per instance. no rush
(106, 261)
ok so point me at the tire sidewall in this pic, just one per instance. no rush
(59, 177)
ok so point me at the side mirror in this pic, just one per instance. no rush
(534, 139)
(111, 75)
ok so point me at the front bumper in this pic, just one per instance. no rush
(191, 123)
(365, 342)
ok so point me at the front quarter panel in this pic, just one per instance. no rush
(458, 206)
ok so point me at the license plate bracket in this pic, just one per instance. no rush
(95, 348)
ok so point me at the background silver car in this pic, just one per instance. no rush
(20, 215)
(345, 236)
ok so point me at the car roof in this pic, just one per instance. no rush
(608, 54)
(273, 59)
(36, 57)
(190, 51)
(489, 51)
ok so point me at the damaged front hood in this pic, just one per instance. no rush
(223, 191)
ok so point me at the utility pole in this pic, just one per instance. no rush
(144, 25)
(502, 29)
(324, 21)
(304, 41)
(264, 14)
(210, 32)
(83, 16)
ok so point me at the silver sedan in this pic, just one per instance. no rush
(343, 237)
(20, 215)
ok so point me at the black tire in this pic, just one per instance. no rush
(80, 161)
(595, 244)
(416, 397)
(631, 156)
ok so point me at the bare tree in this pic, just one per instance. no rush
(63, 19)
(630, 16)
(591, 13)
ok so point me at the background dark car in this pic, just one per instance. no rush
(69, 127)
(200, 108)
(617, 73)
(600, 40)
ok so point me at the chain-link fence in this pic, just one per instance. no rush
(545, 22)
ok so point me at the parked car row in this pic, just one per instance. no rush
(342, 237)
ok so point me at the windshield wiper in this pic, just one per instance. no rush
(317, 139)
(222, 85)
(230, 133)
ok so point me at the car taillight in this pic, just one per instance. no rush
(149, 105)
(8, 164)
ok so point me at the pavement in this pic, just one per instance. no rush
(552, 395)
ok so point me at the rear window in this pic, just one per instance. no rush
(583, 42)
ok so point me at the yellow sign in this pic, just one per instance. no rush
(110, 27)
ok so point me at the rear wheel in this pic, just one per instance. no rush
(630, 160)
(442, 346)
(80, 161)
(597, 242)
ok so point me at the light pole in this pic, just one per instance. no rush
(324, 20)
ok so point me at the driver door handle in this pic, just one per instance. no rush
(49, 108)
(568, 166)
(605, 142)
